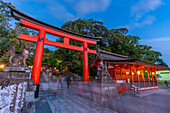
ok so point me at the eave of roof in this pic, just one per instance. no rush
(136, 61)
(18, 15)
(126, 59)
(113, 54)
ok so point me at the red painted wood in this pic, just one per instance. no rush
(143, 77)
(131, 71)
(53, 43)
(152, 78)
(62, 45)
(28, 38)
(54, 32)
(156, 77)
(38, 57)
(138, 77)
(148, 77)
(66, 41)
(85, 63)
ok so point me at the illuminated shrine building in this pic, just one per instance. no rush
(120, 67)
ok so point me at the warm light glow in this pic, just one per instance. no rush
(30, 67)
(127, 73)
(138, 72)
(152, 73)
(132, 73)
(2, 66)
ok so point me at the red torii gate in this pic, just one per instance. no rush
(44, 28)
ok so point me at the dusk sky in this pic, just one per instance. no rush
(148, 19)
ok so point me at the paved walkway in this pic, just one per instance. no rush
(150, 92)
(63, 100)
(54, 99)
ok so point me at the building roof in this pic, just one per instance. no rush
(20, 15)
(121, 59)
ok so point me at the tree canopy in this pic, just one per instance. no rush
(114, 40)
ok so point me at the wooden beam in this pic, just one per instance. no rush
(54, 32)
(53, 43)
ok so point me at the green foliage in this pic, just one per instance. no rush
(9, 31)
(49, 58)
(114, 40)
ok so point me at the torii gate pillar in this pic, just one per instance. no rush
(38, 57)
(85, 63)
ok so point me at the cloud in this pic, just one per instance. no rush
(148, 20)
(69, 9)
(162, 39)
(139, 13)
(144, 6)
(59, 11)
(83, 7)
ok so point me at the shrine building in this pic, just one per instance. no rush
(139, 73)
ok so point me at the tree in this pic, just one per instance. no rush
(114, 40)
(9, 32)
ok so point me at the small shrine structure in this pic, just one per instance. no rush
(138, 73)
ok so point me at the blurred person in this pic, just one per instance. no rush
(68, 81)
(71, 79)
(166, 83)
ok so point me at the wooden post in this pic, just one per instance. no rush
(131, 71)
(138, 78)
(38, 57)
(126, 75)
(143, 77)
(156, 77)
(152, 78)
(85, 63)
(148, 77)
(121, 73)
(114, 72)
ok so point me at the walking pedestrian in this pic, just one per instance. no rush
(166, 83)
(71, 79)
(68, 81)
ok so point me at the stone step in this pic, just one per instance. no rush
(66, 105)
(84, 104)
(90, 105)
(76, 107)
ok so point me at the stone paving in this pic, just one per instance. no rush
(63, 100)
(150, 92)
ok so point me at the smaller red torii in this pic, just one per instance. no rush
(44, 28)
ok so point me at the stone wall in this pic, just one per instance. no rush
(13, 86)
(97, 92)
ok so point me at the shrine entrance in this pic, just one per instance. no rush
(43, 29)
